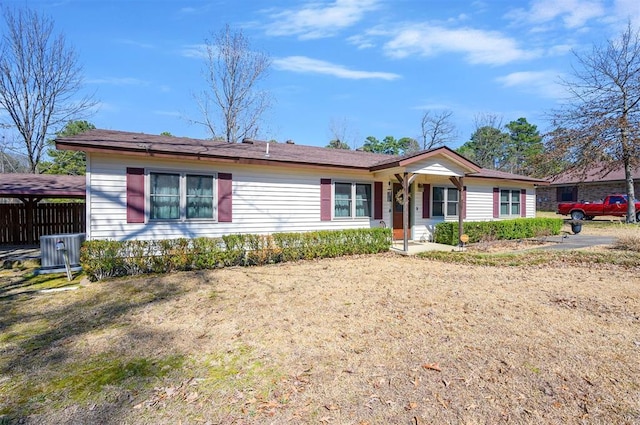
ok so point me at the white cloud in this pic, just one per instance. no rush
(573, 13)
(479, 47)
(361, 41)
(116, 81)
(628, 10)
(560, 49)
(307, 65)
(136, 43)
(542, 83)
(197, 51)
(319, 20)
(174, 114)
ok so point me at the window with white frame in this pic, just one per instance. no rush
(178, 196)
(445, 201)
(509, 202)
(352, 200)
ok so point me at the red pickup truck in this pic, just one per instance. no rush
(612, 205)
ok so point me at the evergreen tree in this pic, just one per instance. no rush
(67, 162)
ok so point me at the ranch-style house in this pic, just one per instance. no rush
(141, 186)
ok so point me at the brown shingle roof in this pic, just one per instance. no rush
(495, 174)
(260, 152)
(240, 152)
(594, 174)
(18, 185)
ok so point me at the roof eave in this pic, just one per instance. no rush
(535, 182)
(205, 157)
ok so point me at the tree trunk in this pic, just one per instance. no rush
(631, 194)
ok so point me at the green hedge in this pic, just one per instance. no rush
(519, 228)
(102, 259)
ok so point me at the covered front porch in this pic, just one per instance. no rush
(417, 190)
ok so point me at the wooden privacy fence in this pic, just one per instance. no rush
(48, 219)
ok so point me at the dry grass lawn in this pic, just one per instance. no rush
(381, 339)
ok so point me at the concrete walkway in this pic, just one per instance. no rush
(418, 247)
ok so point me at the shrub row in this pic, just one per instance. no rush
(481, 231)
(103, 258)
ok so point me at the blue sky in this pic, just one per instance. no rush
(369, 67)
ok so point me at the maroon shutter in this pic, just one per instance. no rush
(135, 195)
(377, 201)
(426, 201)
(558, 194)
(574, 194)
(523, 202)
(464, 204)
(225, 198)
(496, 202)
(325, 199)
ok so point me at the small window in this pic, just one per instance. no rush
(445, 199)
(344, 196)
(509, 202)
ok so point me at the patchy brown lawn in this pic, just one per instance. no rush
(363, 340)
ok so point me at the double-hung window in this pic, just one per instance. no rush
(178, 196)
(509, 202)
(445, 202)
(352, 200)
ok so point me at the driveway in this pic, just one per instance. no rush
(577, 241)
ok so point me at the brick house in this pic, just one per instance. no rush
(593, 186)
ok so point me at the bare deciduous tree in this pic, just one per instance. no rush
(39, 80)
(437, 129)
(600, 126)
(487, 120)
(342, 135)
(233, 103)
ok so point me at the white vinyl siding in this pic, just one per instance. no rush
(265, 200)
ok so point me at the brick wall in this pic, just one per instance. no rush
(546, 197)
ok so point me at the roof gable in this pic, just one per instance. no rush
(419, 160)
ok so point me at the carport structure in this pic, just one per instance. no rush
(32, 188)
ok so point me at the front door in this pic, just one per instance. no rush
(397, 214)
